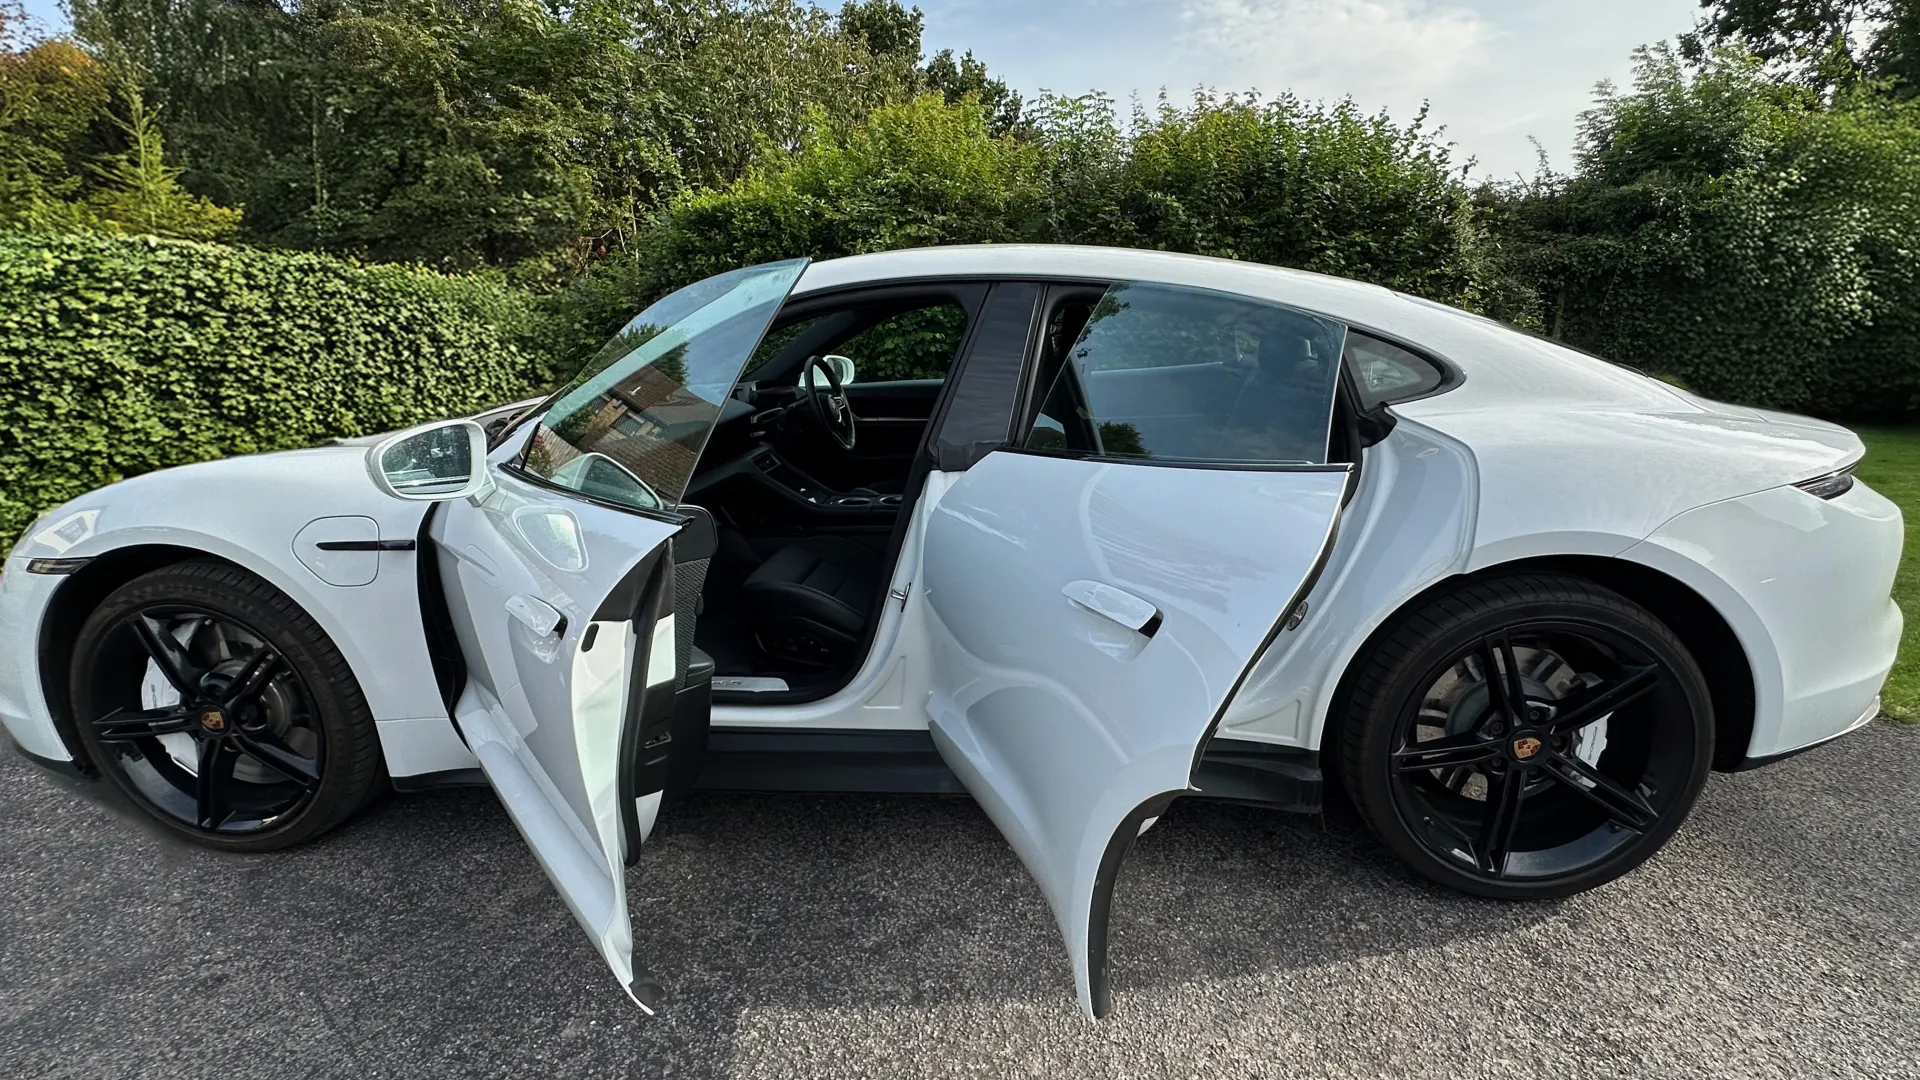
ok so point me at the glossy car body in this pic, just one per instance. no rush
(1012, 647)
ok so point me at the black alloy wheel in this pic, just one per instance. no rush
(1527, 737)
(219, 708)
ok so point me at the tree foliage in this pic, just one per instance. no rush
(1826, 43)
(1321, 187)
(513, 134)
(80, 149)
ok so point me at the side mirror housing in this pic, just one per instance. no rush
(432, 463)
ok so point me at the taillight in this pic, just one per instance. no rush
(1832, 485)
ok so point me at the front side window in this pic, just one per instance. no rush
(1174, 374)
(630, 426)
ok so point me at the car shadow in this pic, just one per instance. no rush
(754, 901)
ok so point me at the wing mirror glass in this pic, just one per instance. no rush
(434, 463)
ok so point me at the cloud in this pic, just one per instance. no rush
(1374, 50)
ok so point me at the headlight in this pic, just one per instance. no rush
(1832, 485)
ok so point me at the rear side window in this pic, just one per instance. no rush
(1386, 373)
(1172, 374)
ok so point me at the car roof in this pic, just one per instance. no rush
(1349, 301)
(1502, 365)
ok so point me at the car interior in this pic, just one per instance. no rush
(808, 477)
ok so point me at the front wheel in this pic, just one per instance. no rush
(1526, 737)
(222, 710)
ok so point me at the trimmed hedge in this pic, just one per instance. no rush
(122, 355)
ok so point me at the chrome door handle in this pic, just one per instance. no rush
(1117, 604)
(537, 615)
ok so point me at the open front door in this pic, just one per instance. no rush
(1093, 607)
(561, 580)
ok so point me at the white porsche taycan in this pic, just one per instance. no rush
(1076, 532)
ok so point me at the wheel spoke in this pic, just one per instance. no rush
(1505, 791)
(266, 748)
(1627, 809)
(121, 725)
(1448, 752)
(214, 782)
(252, 678)
(1506, 695)
(1579, 709)
(168, 654)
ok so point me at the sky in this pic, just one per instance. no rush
(1495, 72)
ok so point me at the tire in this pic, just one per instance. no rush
(202, 670)
(1543, 789)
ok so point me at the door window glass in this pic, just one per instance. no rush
(630, 426)
(1167, 373)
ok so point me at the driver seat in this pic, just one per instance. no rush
(808, 605)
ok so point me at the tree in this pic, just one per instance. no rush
(893, 33)
(138, 192)
(1826, 43)
(511, 134)
(52, 95)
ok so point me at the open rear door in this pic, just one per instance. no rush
(1092, 613)
(560, 581)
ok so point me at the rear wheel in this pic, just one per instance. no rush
(1527, 737)
(219, 707)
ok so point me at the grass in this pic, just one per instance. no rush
(1892, 468)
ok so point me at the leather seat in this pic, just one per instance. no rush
(809, 603)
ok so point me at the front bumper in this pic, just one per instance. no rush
(23, 706)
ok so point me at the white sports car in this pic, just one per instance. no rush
(1077, 532)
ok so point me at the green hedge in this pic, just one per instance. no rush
(1756, 240)
(123, 355)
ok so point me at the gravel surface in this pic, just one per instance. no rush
(1779, 935)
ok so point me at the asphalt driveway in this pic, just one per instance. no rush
(802, 936)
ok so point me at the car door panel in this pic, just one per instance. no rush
(548, 704)
(561, 585)
(1071, 727)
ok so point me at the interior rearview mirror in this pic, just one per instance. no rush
(432, 463)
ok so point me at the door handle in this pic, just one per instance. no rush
(1117, 604)
(538, 615)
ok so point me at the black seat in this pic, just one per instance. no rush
(808, 604)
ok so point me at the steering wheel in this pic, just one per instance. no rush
(831, 409)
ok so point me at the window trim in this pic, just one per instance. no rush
(1170, 463)
(930, 443)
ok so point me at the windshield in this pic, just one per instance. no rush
(629, 427)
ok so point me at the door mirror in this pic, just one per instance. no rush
(433, 463)
(842, 369)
